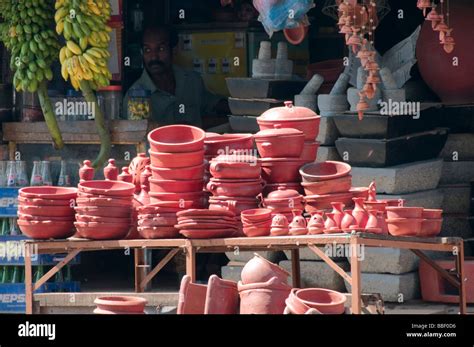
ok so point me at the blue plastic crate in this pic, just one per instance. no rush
(8, 202)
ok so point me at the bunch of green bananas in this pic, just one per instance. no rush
(83, 23)
(33, 45)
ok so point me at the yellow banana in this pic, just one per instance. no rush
(73, 47)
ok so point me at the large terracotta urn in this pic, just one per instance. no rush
(453, 84)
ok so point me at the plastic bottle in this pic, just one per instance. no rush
(39, 273)
(36, 178)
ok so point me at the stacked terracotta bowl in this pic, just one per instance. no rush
(157, 221)
(326, 182)
(206, 224)
(256, 222)
(46, 212)
(177, 164)
(414, 221)
(286, 142)
(104, 209)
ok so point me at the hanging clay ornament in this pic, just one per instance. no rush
(434, 17)
(354, 41)
(362, 106)
(448, 44)
(369, 90)
(423, 5)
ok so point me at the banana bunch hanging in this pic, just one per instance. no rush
(83, 23)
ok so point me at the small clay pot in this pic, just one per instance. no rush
(324, 300)
(177, 139)
(86, 172)
(125, 175)
(176, 160)
(113, 188)
(180, 174)
(120, 305)
(111, 171)
(260, 270)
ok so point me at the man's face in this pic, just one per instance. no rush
(156, 51)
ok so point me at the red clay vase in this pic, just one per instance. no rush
(125, 176)
(359, 212)
(259, 270)
(348, 221)
(86, 172)
(136, 167)
(263, 298)
(111, 171)
(372, 225)
(338, 212)
(120, 305)
(330, 224)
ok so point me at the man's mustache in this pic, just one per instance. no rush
(156, 62)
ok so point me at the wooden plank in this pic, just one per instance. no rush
(431, 240)
(408, 245)
(442, 272)
(55, 269)
(295, 268)
(28, 281)
(158, 268)
(191, 261)
(356, 288)
(462, 279)
(331, 263)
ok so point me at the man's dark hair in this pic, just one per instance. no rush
(168, 29)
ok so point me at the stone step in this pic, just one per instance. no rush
(427, 199)
(456, 172)
(326, 153)
(456, 198)
(458, 147)
(456, 225)
(328, 132)
(400, 179)
(388, 260)
(393, 288)
(317, 274)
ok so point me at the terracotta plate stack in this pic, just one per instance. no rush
(46, 212)
(206, 224)
(104, 209)
(326, 182)
(177, 164)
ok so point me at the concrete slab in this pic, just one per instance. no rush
(328, 132)
(457, 172)
(388, 260)
(459, 147)
(326, 153)
(427, 199)
(456, 198)
(231, 273)
(456, 225)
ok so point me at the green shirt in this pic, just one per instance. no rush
(191, 102)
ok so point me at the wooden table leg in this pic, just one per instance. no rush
(295, 268)
(462, 282)
(191, 262)
(28, 281)
(140, 269)
(355, 274)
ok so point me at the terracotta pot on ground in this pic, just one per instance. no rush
(120, 305)
(263, 298)
(176, 139)
(324, 300)
(259, 270)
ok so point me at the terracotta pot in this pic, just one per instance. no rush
(42, 230)
(375, 205)
(235, 204)
(281, 170)
(382, 222)
(259, 269)
(216, 144)
(102, 231)
(164, 232)
(103, 202)
(275, 186)
(324, 300)
(119, 212)
(120, 305)
(192, 297)
(395, 202)
(338, 185)
(284, 198)
(290, 116)
(296, 35)
(180, 174)
(111, 171)
(310, 151)
(431, 227)
(222, 296)
(348, 221)
(280, 225)
(256, 215)
(136, 168)
(324, 171)
(256, 231)
(244, 188)
(29, 217)
(51, 193)
(86, 172)
(223, 168)
(263, 298)
(176, 160)
(453, 83)
(114, 197)
(207, 234)
(404, 226)
(372, 225)
(46, 211)
(330, 225)
(432, 214)
(197, 198)
(323, 202)
(177, 139)
(44, 202)
(295, 305)
(359, 212)
(338, 212)
(158, 186)
(404, 212)
(280, 143)
(95, 219)
(112, 188)
(125, 175)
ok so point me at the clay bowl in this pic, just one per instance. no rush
(176, 139)
(360, 192)
(176, 160)
(310, 151)
(314, 203)
(206, 226)
(243, 188)
(256, 215)
(256, 232)
(328, 170)
(295, 305)
(43, 230)
(264, 224)
(99, 196)
(308, 125)
(111, 212)
(193, 213)
(112, 188)
(404, 212)
(180, 174)
(275, 186)
(28, 217)
(260, 270)
(166, 232)
(338, 185)
(102, 231)
(120, 305)
(375, 205)
(95, 219)
(235, 170)
(159, 186)
(52, 193)
(432, 214)
(281, 170)
(215, 144)
(158, 221)
(296, 35)
(44, 202)
(431, 227)
(404, 226)
(324, 300)
(165, 207)
(197, 198)
(103, 202)
(280, 143)
(46, 211)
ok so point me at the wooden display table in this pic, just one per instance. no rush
(354, 242)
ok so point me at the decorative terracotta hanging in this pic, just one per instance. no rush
(423, 5)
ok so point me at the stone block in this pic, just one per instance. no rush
(456, 198)
(328, 132)
(458, 147)
(455, 172)
(427, 199)
(388, 260)
(326, 153)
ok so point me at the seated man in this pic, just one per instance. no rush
(178, 96)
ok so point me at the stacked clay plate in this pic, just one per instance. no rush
(206, 224)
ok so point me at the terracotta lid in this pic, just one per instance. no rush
(288, 112)
(278, 131)
(283, 193)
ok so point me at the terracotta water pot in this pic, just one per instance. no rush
(111, 171)
(180, 174)
(338, 185)
(324, 300)
(256, 215)
(359, 212)
(44, 202)
(227, 187)
(290, 116)
(163, 232)
(177, 139)
(46, 211)
(102, 231)
(310, 151)
(296, 35)
(431, 227)
(281, 170)
(263, 298)
(216, 144)
(114, 188)
(280, 143)
(120, 305)
(432, 213)
(51, 193)
(168, 186)
(103, 202)
(118, 212)
(404, 212)
(328, 170)
(452, 83)
(259, 270)
(404, 226)
(223, 167)
(176, 160)
(42, 230)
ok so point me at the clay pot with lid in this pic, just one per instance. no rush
(177, 139)
(284, 199)
(280, 226)
(291, 116)
(228, 187)
(111, 171)
(281, 170)
(280, 142)
(234, 167)
(260, 270)
(86, 172)
(120, 305)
